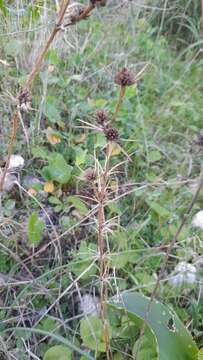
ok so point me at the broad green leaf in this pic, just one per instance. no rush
(154, 156)
(78, 204)
(144, 350)
(173, 339)
(80, 156)
(80, 266)
(58, 169)
(158, 209)
(52, 109)
(40, 152)
(35, 229)
(58, 352)
(54, 200)
(119, 260)
(92, 334)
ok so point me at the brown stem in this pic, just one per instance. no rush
(101, 195)
(83, 15)
(167, 255)
(10, 148)
(119, 103)
(34, 72)
(50, 39)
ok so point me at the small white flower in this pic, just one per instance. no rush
(89, 305)
(197, 220)
(184, 274)
(16, 162)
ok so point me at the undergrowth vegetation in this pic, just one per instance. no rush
(76, 283)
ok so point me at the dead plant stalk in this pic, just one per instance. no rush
(101, 196)
(34, 72)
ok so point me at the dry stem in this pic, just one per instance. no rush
(101, 196)
(34, 72)
(10, 148)
(119, 103)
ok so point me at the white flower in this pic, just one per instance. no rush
(197, 220)
(16, 162)
(184, 274)
(89, 304)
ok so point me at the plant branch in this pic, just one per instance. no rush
(119, 103)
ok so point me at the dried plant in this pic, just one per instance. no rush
(23, 101)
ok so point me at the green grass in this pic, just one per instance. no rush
(158, 125)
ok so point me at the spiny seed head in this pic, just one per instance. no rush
(111, 134)
(101, 117)
(24, 100)
(200, 138)
(98, 2)
(90, 174)
(124, 77)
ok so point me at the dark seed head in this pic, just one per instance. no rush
(124, 77)
(101, 117)
(90, 174)
(24, 100)
(111, 134)
(200, 138)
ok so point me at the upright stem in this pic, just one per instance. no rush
(28, 86)
(120, 100)
(101, 194)
(10, 148)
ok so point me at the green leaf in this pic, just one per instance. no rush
(52, 109)
(158, 209)
(200, 354)
(35, 229)
(54, 200)
(92, 334)
(154, 156)
(40, 152)
(119, 260)
(58, 352)
(78, 204)
(80, 156)
(173, 339)
(145, 350)
(58, 169)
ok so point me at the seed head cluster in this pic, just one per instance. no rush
(124, 78)
(90, 174)
(112, 134)
(24, 101)
(101, 117)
